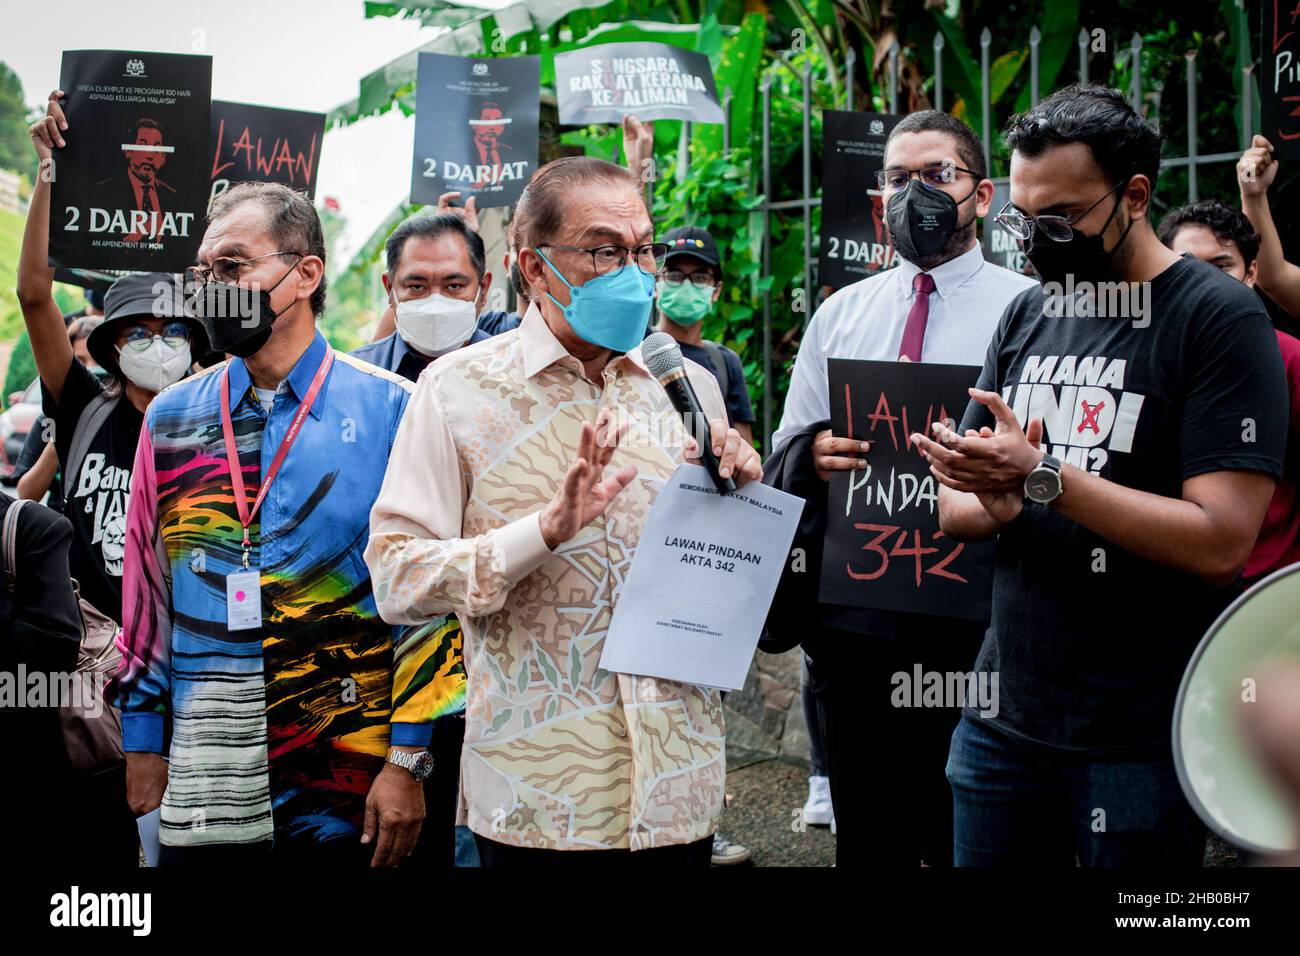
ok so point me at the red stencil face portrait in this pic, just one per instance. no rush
(148, 157)
(490, 126)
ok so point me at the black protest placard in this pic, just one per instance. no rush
(476, 128)
(1279, 78)
(602, 84)
(131, 187)
(999, 246)
(854, 243)
(263, 144)
(884, 548)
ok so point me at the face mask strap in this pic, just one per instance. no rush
(557, 302)
(275, 315)
(1113, 209)
(935, 189)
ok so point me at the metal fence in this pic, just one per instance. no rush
(808, 200)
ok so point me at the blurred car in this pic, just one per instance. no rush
(15, 422)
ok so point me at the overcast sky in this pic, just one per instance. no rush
(297, 54)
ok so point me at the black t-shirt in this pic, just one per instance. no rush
(96, 503)
(735, 394)
(1088, 640)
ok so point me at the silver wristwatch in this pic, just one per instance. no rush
(419, 764)
(1043, 484)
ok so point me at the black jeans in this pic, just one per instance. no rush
(886, 760)
(812, 686)
(697, 854)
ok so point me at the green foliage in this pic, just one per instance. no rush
(1060, 34)
(737, 64)
(355, 295)
(22, 368)
(722, 193)
(15, 150)
(11, 238)
(748, 48)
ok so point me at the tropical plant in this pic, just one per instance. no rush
(843, 46)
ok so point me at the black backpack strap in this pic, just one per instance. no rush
(719, 362)
(9, 543)
(89, 423)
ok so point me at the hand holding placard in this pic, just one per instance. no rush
(47, 132)
(884, 548)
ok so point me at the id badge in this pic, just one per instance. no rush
(244, 600)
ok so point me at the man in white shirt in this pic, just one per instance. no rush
(940, 304)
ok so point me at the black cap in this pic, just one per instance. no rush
(159, 295)
(692, 241)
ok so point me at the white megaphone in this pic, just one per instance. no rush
(1220, 774)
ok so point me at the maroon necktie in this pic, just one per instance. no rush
(914, 331)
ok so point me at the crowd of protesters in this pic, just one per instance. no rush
(358, 601)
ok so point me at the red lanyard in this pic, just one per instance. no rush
(232, 453)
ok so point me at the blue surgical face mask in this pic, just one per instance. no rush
(612, 310)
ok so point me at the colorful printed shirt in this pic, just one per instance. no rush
(558, 753)
(278, 731)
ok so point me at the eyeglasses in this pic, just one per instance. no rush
(897, 177)
(606, 260)
(697, 279)
(226, 269)
(140, 337)
(1056, 228)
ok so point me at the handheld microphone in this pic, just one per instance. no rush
(664, 361)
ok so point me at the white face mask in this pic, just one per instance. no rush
(436, 324)
(156, 367)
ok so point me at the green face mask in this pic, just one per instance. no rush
(685, 303)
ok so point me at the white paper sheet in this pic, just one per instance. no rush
(702, 581)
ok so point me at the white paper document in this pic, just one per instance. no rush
(702, 581)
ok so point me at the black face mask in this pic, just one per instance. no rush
(237, 319)
(922, 220)
(1084, 257)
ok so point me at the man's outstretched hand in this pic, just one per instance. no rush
(585, 493)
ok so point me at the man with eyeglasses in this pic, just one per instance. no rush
(261, 707)
(941, 303)
(437, 283)
(516, 496)
(1125, 462)
(688, 291)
